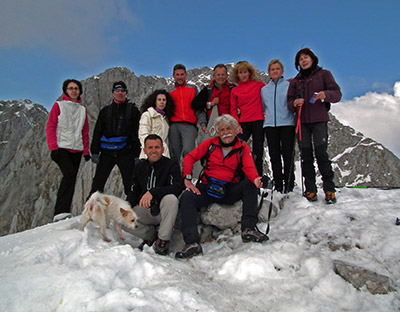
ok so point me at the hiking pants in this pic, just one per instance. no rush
(147, 223)
(280, 142)
(124, 161)
(182, 139)
(315, 137)
(69, 166)
(190, 204)
(256, 130)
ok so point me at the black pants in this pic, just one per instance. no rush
(315, 137)
(69, 166)
(255, 129)
(280, 142)
(190, 203)
(124, 161)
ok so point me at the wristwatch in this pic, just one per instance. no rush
(188, 177)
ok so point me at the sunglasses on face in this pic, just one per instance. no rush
(72, 88)
(119, 90)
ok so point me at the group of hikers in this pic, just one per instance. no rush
(155, 148)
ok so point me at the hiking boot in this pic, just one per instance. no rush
(189, 251)
(312, 197)
(161, 247)
(253, 235)
(145, 242)
(62, 216)
(330, 197)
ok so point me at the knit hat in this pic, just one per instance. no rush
(119, 85)
(308, 52)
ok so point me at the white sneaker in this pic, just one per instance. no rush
(62, 216)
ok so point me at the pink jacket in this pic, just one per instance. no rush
(51, 129)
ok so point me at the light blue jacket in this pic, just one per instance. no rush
(274, 99)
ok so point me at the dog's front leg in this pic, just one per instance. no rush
(119, 230)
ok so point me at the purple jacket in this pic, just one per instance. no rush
(304, 86)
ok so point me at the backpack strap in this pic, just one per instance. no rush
(211, 148)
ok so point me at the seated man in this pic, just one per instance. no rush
(226, 157)
(157, 183)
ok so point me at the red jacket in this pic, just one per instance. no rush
(219, 167)
(247, 98)
(183, 96)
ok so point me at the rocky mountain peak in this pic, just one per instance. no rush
(29, 179)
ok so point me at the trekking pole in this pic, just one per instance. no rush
(298, 132)
(291, 169)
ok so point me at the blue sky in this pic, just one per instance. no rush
(44, 42)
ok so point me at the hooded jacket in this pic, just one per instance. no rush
(304, 87)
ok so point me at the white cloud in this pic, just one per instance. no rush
(78, 30)
(376, 115)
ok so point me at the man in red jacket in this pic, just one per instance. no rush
(226, 157)
(183, 128)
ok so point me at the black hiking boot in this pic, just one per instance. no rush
(145, 242)
(161, 247)
(253, 235)
(189, 251)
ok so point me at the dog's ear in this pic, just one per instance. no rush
(123, 212)
(91, 206)
(107, 200)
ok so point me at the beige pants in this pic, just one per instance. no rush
(147, 223)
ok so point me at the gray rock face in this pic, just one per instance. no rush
(29, 179)
(359, 277)
(16, 118)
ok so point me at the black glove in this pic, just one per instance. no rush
(87, 157)
(55, 155)
(96, 158)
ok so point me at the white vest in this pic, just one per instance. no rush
(70, 124)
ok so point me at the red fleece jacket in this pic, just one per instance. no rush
(247, 98)
(219, 167)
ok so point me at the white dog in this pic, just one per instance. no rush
(101, 208)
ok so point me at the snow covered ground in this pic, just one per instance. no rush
(56, 267)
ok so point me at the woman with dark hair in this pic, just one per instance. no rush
(310, 94)
(247, 108)
(67, 132)
(157, 110)
(279, 127)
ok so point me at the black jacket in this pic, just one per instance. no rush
(114, 122)
(160, 178)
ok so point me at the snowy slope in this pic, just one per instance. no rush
(56, 267)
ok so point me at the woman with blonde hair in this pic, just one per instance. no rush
(279, 127)
(246, 107)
